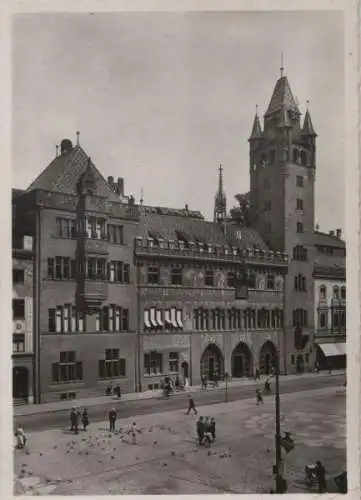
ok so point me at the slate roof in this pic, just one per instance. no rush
(325, 239)
(282, 97)
(63, 173)
(198, 230)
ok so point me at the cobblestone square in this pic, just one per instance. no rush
(167, 460)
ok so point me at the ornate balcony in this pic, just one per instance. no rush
(176, 249)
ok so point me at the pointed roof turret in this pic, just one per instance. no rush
(256, 128)
(282, 97)
(307, 128)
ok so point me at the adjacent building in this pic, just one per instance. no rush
(124, 294)
(330, 304)
(23, 353)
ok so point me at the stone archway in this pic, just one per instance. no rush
(212, 363)
(20, 383)
(267, 357)
(241, 361)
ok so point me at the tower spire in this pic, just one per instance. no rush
(282, 68)
(220, 202)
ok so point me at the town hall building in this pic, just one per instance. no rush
(125, 294)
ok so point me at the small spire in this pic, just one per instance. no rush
(307, 128)
(220, 202)
(56, 151)
(141, 196)
(256, 132)
(282, 68)
(77, 137)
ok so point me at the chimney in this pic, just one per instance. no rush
(120, 183)
(317, 227)
(111, 180)
(186, 207)
(331, 233)
(339, 233)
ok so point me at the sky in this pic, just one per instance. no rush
(161, 99)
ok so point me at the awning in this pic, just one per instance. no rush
(159, 317)
(179, 318)
(167, 318)
(152, 318)
(333, 349)
(342, 348)
(146, 319)
(173, 317)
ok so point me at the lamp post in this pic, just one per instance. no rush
(278, 469)
(226, 376)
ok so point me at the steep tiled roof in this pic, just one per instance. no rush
(200, 230)
(327, 240)
(282, 97)
(63, 173)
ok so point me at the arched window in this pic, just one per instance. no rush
(323, 292)
(303, 158)
(336, 292)
(343, 292)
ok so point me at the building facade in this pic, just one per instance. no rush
(23, 353)
(193, 319)
(125, 294)
(330, 303)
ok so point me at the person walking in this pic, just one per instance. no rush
(191, 405)
(74, 420)
(112, 418)
(85, 419)
(212, 428)
(133, 433)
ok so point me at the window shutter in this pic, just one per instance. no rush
(126, 277)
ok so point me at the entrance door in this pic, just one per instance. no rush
(20, 383)
(211, 367)
(238, 366)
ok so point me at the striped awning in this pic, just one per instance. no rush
(330, 350)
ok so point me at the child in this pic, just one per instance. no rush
(259, 397)
(20, 438)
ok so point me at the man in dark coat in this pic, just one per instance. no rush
(321, 476)
(200, 430)
(191, 405)
(112, 419)
(74, 420)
